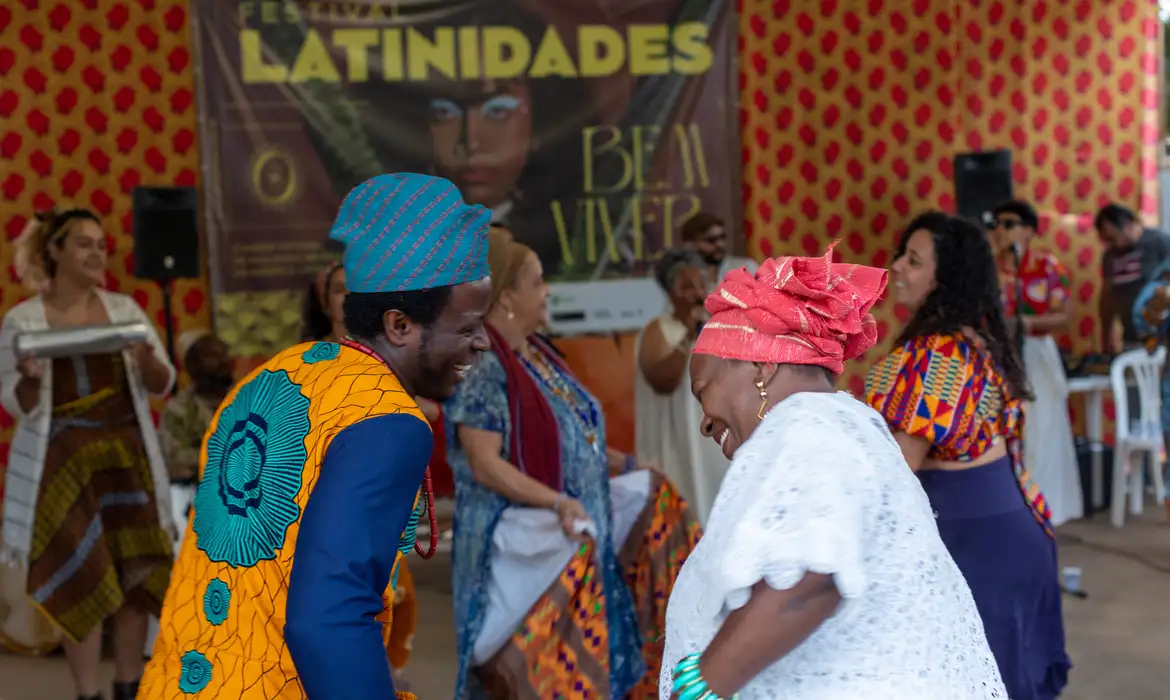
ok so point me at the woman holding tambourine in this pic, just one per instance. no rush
(86, 511)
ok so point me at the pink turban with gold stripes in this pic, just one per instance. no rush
(799, 311)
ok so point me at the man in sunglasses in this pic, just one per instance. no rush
(1133, 255)
(1036, 291)
(706, 234)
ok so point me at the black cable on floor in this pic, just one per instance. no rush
(1114, 551)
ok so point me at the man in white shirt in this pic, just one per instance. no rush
(707, 234)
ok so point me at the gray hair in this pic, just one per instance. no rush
(672, 262)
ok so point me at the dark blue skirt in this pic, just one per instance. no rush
(1010, 564)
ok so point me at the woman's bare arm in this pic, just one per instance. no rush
(765, 630)
(1052, 322)
(663, 365)
(498, 475)
(914, 449)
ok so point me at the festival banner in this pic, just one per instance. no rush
(590, 128)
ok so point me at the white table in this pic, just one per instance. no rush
(1094, 387)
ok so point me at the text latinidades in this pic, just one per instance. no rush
(481, 53)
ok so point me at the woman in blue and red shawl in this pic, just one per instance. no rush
(565, 551)
(952, 392)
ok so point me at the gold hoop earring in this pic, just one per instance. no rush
(764, 405)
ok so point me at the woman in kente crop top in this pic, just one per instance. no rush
(952, 392)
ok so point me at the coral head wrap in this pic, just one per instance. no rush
(798, 311)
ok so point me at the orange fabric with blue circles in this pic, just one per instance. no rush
(221, 631)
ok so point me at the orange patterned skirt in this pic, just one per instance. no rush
(561, 649)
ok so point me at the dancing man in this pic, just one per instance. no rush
(284, 585)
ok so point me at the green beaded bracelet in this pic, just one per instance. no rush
(689, 683)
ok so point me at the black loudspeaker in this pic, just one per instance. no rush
(166, 233)
(983, 181)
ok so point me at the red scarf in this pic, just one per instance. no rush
(534, 445)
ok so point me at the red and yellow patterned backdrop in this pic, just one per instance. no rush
(851, 111)
(96, 97)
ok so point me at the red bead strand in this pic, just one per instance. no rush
(429, 489)
(429, 496)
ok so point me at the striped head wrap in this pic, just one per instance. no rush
(404, 232)
(800, 311)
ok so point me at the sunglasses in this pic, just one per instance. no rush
(1008, 224)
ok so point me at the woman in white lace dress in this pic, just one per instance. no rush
(821, 575)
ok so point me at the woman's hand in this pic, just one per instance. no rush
(156, 375)
(30, 367)
(570, 511)
(652, 467)
(28, 389)
(142, 353)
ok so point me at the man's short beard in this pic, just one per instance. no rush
(429, 378)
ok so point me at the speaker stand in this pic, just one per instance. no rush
(168, 287)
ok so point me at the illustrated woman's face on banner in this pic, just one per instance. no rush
(480, 136)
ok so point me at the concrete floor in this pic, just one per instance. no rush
(1118, 637)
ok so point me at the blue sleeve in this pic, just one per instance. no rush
(346, 549)
(1144, 328)
(481, 400)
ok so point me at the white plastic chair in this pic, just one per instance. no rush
(1138, 435)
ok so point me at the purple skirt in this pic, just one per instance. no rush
(1010, 564)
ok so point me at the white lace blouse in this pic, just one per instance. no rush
(822, 486)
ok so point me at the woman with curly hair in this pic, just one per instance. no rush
(86, 503)
(952, 392)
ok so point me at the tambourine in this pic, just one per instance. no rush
(81, 340)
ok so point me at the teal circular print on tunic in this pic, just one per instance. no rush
(246, 499)
(195, 673)
(216, 601)
(321, 352)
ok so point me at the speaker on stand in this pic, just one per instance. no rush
(983, 180)
(166, 244)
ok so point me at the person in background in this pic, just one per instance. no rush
(1133, 254)
(706, 234)
(1036, 292)
(821, 575)
(666, 414)
(86, 503)
(187, 415)
(324, 318)
(565, 549)
(952, 392)
(1151, 319)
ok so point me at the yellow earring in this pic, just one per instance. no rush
(764, 406)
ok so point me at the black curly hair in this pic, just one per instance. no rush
(966, 293)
